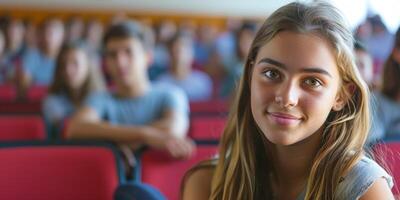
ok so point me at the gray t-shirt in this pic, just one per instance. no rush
(139, 110)
(360, 178)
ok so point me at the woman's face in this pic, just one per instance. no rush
(76, 68)
(294, 86)
(182, 53)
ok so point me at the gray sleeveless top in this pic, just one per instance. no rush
(359, 179)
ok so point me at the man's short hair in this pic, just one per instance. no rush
(125, 30)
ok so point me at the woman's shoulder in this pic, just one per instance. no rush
(196, 184)
(56, 99)
(361, 177)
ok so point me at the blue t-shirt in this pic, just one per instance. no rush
(359, 179)
(197, 86)
(385, 117)
(39, 67)
(56, 107)
(139, 110)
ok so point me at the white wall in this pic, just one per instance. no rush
(246, 8)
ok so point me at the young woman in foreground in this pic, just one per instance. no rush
(300, 120)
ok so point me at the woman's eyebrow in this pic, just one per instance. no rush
(318, 70)
(272, 62)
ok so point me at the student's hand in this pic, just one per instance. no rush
(181, 148)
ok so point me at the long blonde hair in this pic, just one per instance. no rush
(241, 172)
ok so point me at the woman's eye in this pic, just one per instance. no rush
(313, 82)
(272, 74)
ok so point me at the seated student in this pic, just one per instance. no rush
(385, 111)
(233, 66)
(38, 64)
(196, 84)
(74, 79)
(14, 34)
(3, 63)
(136, 113)
(300, 120)
(391, 79)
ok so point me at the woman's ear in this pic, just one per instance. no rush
(343, 96)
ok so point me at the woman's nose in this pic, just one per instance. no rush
(287, 95)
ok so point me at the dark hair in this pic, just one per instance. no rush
(376, 21)
(391, 73)
(246, 26)
(397, 39)
(359, 46)
(177, 36)
(124, 30)
(60, 85)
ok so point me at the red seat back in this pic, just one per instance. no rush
(388, 156)
(165, 173)
(20, 107)
(212, 107)
(37, 93)
(15, 127)
(7, 93)
(206, 127)
(58, 172)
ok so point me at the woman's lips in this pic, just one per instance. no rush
(283, 119)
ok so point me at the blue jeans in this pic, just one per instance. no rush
(137, 191)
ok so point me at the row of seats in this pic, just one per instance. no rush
(9, 103)
(84, 171)
(31, 127)
(59, 171)
(93, 170)
(9, 93)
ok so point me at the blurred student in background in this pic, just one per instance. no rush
(74, 29)
(384, 111)
(234, 66)
(164, 31)
(379, 42)
(391, 73)
(3, 65)
(391, 78)
(13, 48)
(74, 80)
(38, 64)
(30, 36)
(135, 113)
(196, 84)
(92, 37)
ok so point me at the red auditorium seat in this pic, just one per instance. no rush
(37, 93)
(16, 128)
(21, 107)
(32, 104)
(388, 154)
(165, 173)
(62, 172)
(210, 107)
(7, 93)
(206, 127)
